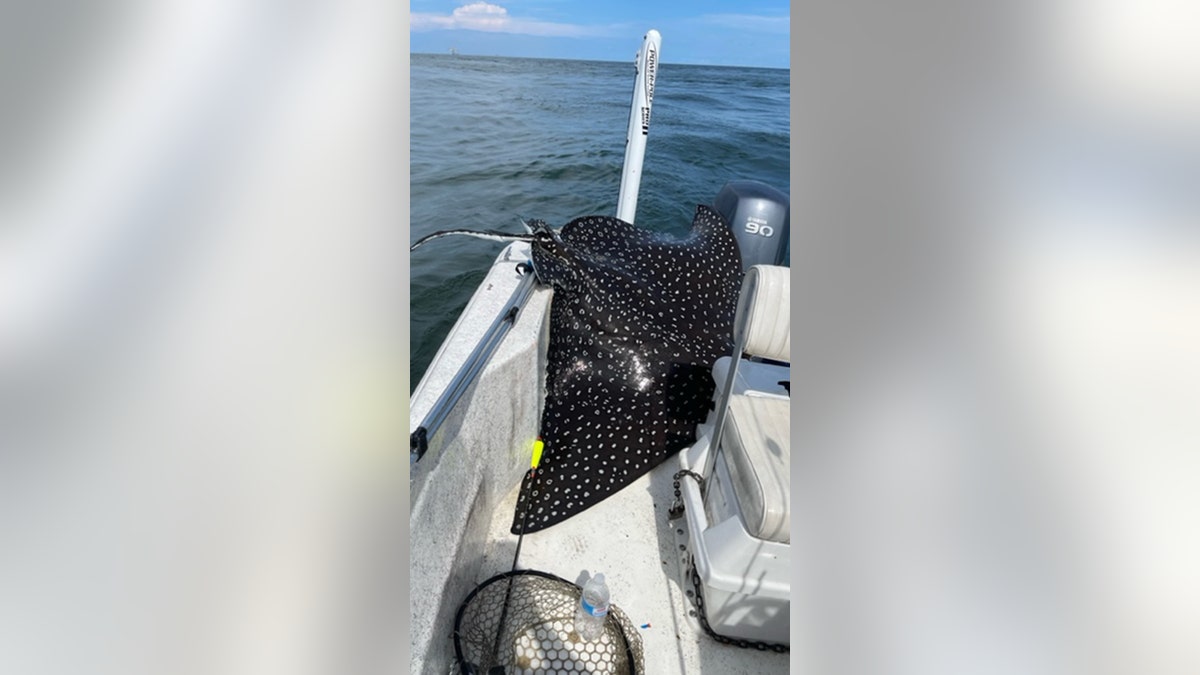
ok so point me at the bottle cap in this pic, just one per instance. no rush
(599, 577)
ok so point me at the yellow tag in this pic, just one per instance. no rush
(537, 452)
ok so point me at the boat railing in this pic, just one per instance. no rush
(478, 358)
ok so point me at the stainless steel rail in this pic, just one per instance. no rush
(418, 441)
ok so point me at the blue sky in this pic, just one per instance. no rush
(710, 32)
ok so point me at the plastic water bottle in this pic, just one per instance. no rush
(592, 609)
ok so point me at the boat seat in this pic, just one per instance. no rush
(753, 377)
(739, 513)
(758, 458)
(753, 412)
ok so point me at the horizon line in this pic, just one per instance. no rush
(560, 58)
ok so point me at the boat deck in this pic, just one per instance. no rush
(464, 495)
(630, 540)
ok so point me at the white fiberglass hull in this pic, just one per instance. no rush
(464, 494)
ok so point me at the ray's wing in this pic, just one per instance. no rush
(632, 343)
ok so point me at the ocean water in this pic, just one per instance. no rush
(494, 139)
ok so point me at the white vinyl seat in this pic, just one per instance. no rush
(739, 513)
(752, 377)
(756, 452)
(753, 426)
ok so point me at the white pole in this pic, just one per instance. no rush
(639, 125)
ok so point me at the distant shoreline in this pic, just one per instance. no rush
(542, 58)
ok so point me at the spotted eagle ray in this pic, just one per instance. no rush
(636, 321)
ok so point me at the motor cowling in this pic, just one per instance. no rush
(758, 214)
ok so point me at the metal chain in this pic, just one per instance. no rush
(698, 599)
(677, 506)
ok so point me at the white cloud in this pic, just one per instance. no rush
(487, 17)
(751, 22)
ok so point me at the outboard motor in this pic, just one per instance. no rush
(758, 214)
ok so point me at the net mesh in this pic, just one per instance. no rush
(538, 636)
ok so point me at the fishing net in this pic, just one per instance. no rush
(538, 635)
